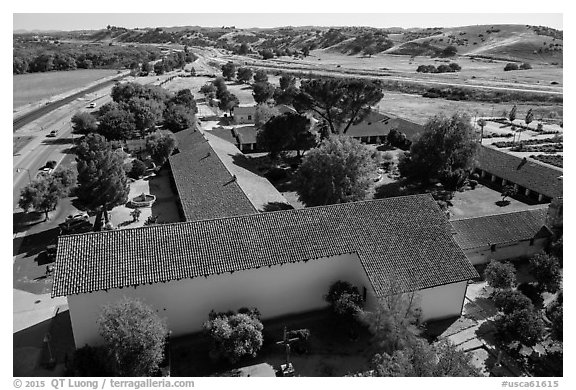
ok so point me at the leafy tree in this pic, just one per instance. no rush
(263, 113)
(546, 270)
(529, 117)
(159, 67)
(285, 132)
(267, 54)
(84, 123)
(524, 326)
(500, 275)
(369, 51)
(337, 171)
(510, 300)
(510, 66)
(178, 117)
(447, 144)
(344, 299)
(285, 96)
(508, 191)
(287, 81)
(555, 314)
(208, 89)
(138, 169)
(512, 114)
(453, 180)
(244, 75)
(67, 178)
(306, 51)
(160, 147)
(185, 98)
(525, 66)
(42, 195)
(260, 76)
(244, 49)
(449, 51)
(455, 67)
(398, 140)
(102, 182)
(147, 112)
(228, 101)
(134, 336)
(262, 92)
(229, 70)
(234, 335)
(453, 361)
(146, 67)
(117, 124)
(556, 250)
(341, 102)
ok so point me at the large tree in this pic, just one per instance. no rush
(160, 147)
(147, 112)
(447, 144)
(262, 92)
(500, 274)
(338, 171)
(229, 70)
(286, 81)
(102, 182)
(228, 101)
(84, 123)
(260, 76)
(185, 98)
(263, 113)
(546, 271)
(118, 124)
(285, 132)
(134, 336)
(340, 102)
(244, 75)
(178, 117)
(42, 194)
(524, 325)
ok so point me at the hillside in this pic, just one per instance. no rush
(504, 42)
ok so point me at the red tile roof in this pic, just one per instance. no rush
(405, 239)
(500, 228)
(529, 174)
(378, 124)
(206, 189)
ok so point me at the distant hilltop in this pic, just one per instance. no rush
(506, 42)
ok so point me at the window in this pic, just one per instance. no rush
(493, 247)
(531, 242)
(249, 117)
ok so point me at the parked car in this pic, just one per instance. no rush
(92, 105)
(77, 217)
(51, 164)
(75, 225)
(53, 133)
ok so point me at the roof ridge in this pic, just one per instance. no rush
(539, 207)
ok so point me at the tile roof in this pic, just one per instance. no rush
(529, 174)
(405, 239)
(206, 189)
(225, 134)
(244, 110)
(503, 228)
(246, 134)
(378, 124)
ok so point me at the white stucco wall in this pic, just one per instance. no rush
(442, 301)
(275, 291)
(505, 251)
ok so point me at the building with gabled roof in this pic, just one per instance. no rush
(374, 128)
(531, 178)
(501, 236)
(280, 262)
(244, 114)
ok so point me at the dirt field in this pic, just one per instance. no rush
(420, 109)
(32, 87)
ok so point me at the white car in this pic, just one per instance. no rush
(92, 105)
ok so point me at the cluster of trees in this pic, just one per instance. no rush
(514, 66)
(452, 67)
(175, 60)
(42, 57)
(444, 152)
(285, 132)
(135, 111)
(218, 89)
(396, 331)
(44, 193)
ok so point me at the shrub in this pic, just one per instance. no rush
(525, 66)
(532, 292)
(344, 299)
(234, 335)
(510, 66)
(138, 169)
(302, 345)
(546, 270)
(500, 275)
(510, 300)
(276, 173)
(473, 183)
(455, 67)
(90, 361)
(524, 326)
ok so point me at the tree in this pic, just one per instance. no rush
(260, 76)
(244, 49)
(524, 326)
(285, 132)
(555, 312)
(220, 85)
(512, 114)
(510, 66)
(369, 51)
(135, 214)
(546, 271)
(185, 98)
(228, 101)
(557, 250)
(138, 169)
(285, 96)
(102, 182)
(453, 361)
(525, 66)
(306, 51)
(229, 70)
(287, 81)
(508, 191)
(267, 54)
(529, 117)
(508, 301)
(337, 171)
(344, 299)
(341, 102)
(117, 124)
(208, 89)
(134, 336)
(244, 75)
(146, 67)
(262, 92)
(160, 147)
(234, 335)
(449, 51)
(84, 123)
(42, 195)
(178, 117)
(500, 275)
(447, 144)
(146, 112)
(263, 113)
(159, 67)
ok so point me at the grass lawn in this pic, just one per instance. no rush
(33, 87)
(332, 352)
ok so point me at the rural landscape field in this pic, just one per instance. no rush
(309, 201)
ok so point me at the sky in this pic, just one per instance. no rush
(91, 21)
